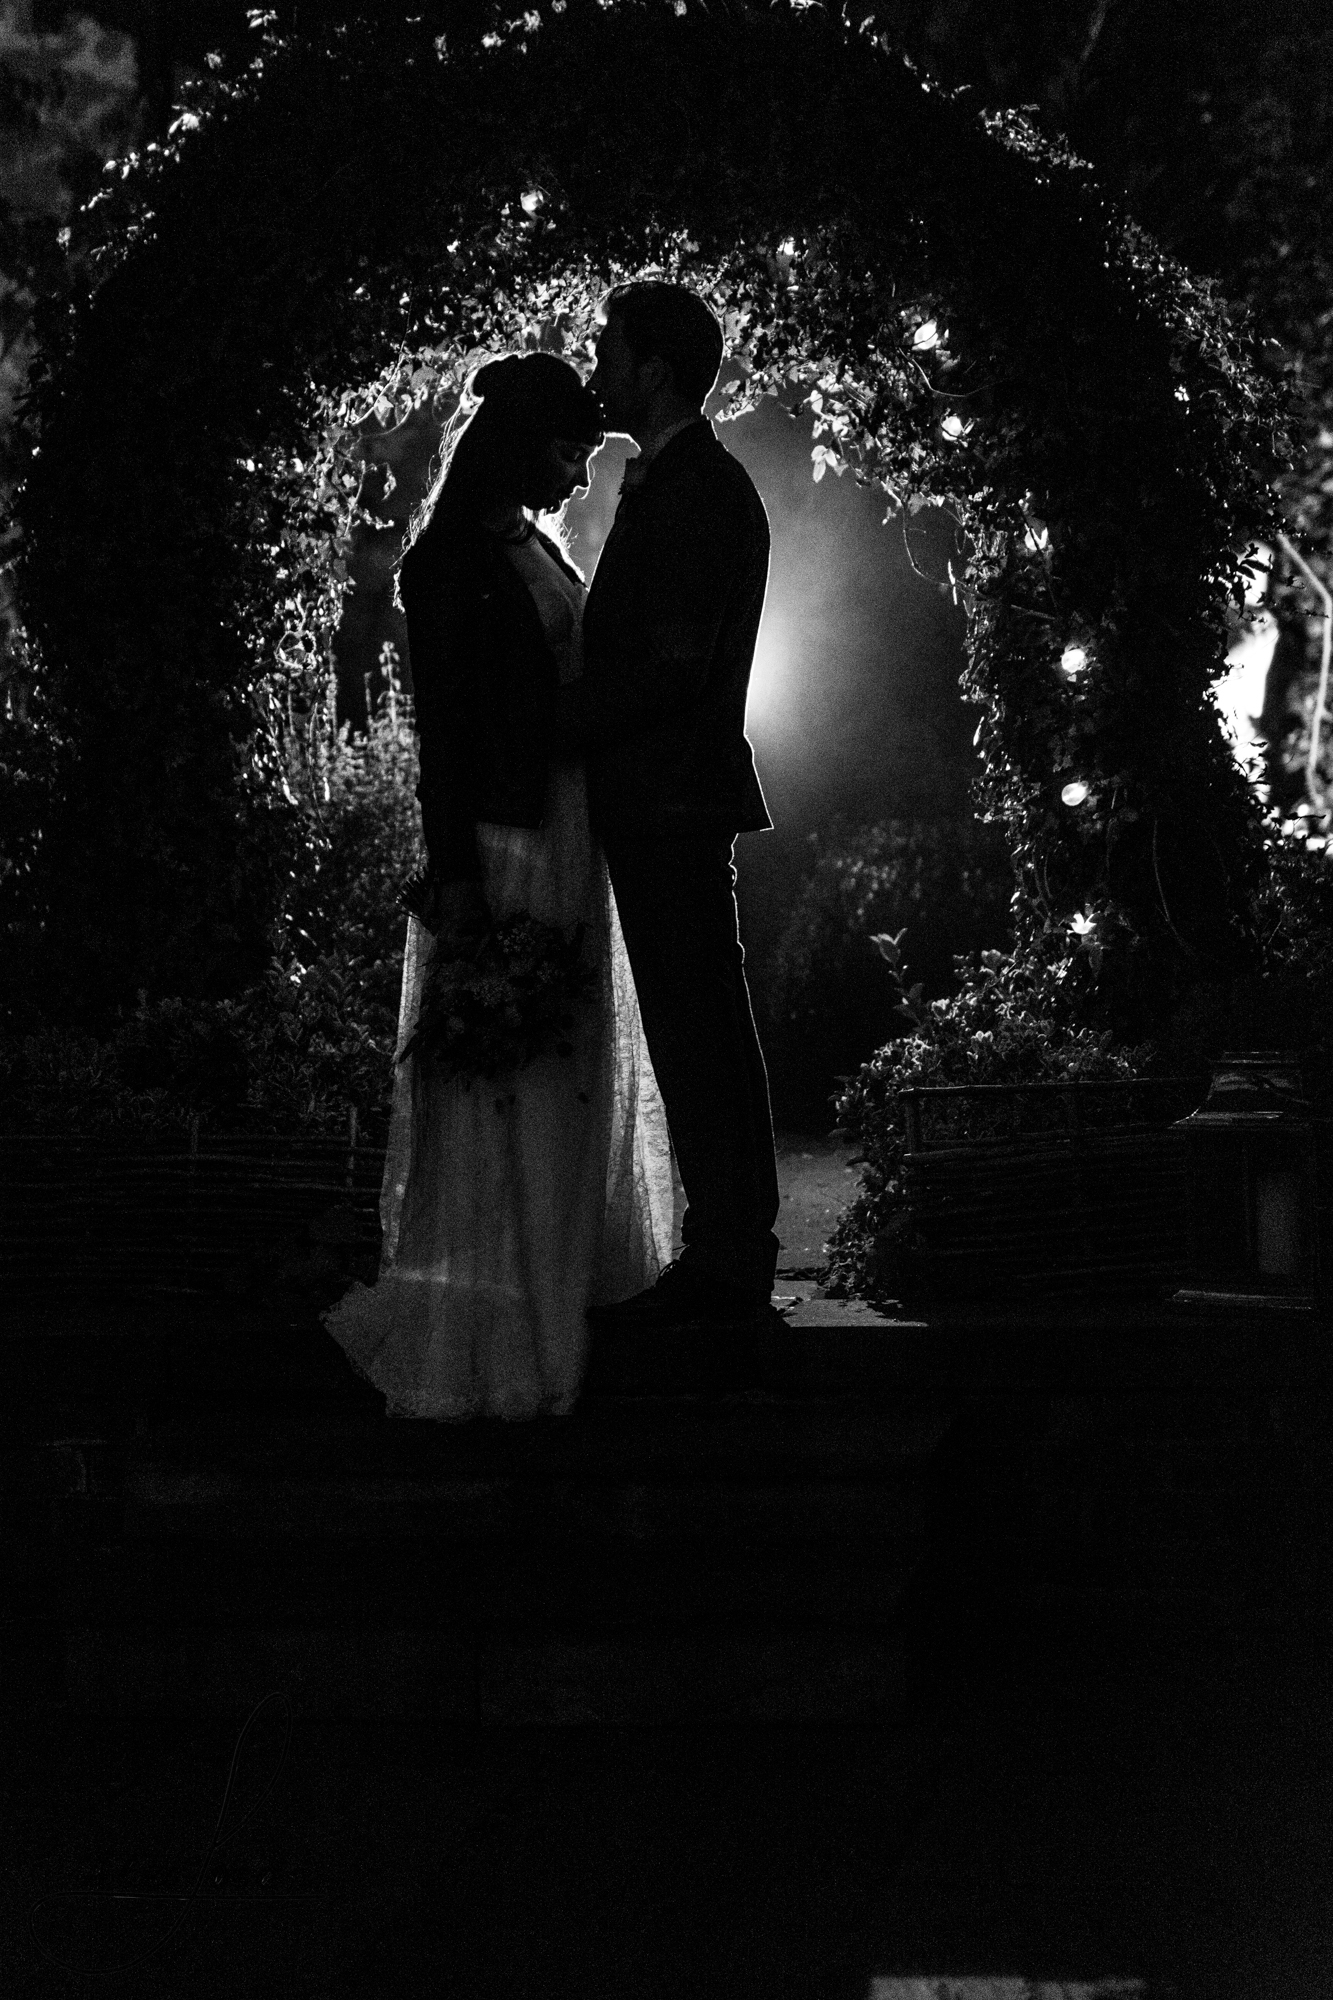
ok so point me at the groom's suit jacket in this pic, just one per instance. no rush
(669, 632)
(484, 686)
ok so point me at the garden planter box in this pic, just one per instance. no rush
(1043, 1188)
(117, 1219)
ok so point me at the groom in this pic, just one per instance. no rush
(669, 633)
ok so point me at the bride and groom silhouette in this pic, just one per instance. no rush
(583, 762)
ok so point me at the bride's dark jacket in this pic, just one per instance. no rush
(484, 684)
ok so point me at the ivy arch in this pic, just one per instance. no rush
(352, 216)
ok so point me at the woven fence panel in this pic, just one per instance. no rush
(104, 1217)
(1107, 1211)
(1087, 1194)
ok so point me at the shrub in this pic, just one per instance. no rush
(830, 995)
(1017, 1020)
(999, 1029)
(356, 792)
(290, 1056)
(315, 1033)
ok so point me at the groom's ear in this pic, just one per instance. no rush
(656, 371)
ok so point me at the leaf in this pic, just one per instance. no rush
(889, 946)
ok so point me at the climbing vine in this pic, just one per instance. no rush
(335, 232)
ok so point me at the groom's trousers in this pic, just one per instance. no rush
(677, 904)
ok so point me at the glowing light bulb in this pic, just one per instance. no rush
(953, 426)
(927, 335)
(531, 201)
(1075, 793)
(787, 247)
(1073, 662)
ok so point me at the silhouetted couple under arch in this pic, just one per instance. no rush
(584, 766)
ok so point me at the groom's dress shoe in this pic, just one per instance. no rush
(677, 1300)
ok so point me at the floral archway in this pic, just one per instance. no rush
(344, 224)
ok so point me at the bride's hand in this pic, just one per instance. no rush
(457, 907)
(461, 911)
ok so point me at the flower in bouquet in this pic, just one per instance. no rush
(500, 1001)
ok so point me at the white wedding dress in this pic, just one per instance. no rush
(510, 1205)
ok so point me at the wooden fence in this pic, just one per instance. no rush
(113, 1218)
(1045, 1188)
(1030, 1189)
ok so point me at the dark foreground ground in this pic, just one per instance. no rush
(1080, 1785)
(1071, 1810)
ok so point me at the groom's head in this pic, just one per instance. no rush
(657, 357)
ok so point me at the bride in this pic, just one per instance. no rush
(509, 1204)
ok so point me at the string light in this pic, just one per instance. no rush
(1074, 794)
(1073, 662)
(926, 336)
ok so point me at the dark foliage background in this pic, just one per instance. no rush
(1215, 119)
(1006, 1025)
(313, 1035)
(972, 319)
(939, 888)
(169, 595)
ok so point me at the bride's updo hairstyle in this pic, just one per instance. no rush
(495, 447)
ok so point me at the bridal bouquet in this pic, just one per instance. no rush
(498, 1003)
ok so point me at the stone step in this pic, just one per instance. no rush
(210, 1506)
(433, 1585)
(636, 1438)
(1073, 1518)
(751, 1472)
(92, 1367)
(236, 1514)
(744, 1559)
(643, 1470)
(1122, 1481)
(525, 1679)
(1214, 1507)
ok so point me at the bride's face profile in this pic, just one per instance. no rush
(562, 471)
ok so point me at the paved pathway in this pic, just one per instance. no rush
(817, 1180)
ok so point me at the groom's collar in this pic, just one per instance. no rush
(654, 444)
(636, 469)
